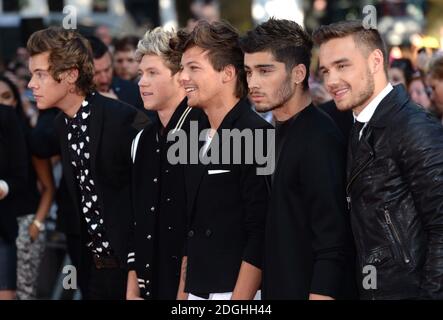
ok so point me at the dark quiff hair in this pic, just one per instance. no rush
(286, 40)
(367, 39)
(221, 40)
(67, 50)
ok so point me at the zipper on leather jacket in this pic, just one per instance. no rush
(351, 181)
(396, 235)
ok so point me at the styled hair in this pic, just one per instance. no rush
(366, 38)
(286, 40)
(127, 43)
(162, 43)
(16, 94)
(98, 47)
(221, 42)
(67, 50)
(436, 68)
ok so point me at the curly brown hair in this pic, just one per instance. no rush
(68, 50)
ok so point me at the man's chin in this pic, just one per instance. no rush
(263, 109)
(343, 106)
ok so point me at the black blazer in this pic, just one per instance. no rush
(159, 202)
(308, 247)
(13, 170)
(226, 214)
(113, 126)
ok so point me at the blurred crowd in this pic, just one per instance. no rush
(116, 76)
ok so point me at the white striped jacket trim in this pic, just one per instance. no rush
(179, 125)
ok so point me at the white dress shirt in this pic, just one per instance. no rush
(366, 115)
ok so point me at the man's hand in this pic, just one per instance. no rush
(314, 296)
(132, 289)
(33, 232)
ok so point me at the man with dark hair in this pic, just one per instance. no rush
(308, 247)
(226, 203)
(95, 135)
(125, 64)
(394, 168)
(106, 83)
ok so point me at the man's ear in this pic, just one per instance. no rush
(72, 76)
(299, 73)
(229, 73)
(376, 61)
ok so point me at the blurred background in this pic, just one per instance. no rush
(412, 29)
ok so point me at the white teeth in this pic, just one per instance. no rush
(188, 90)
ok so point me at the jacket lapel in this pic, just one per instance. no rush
(67, 166)
(95, 132)
(194, 173)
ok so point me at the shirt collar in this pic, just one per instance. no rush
(81, 115)
(367, 113)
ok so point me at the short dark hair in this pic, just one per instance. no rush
(286, 40)
(67, 49)
(221, 40)
(368, 38)
(405, 65)
(99, 48)
(127, 43)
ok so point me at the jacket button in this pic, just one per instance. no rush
(166, 171)
(208, 233)
(168, 200)
(149, 237)
(148, 294)
(147, 266)
(148, 282)
(191, 233)
(155, 180)
(158, 150)
(170, 228)
(152, 209)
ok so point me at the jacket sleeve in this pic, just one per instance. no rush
(322, 176)
(420, 157)
(255, 199)
(16, 178)
(133, 221)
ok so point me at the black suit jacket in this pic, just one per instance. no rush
(112, 127)
(159, 202)
(226, 214)
(308, 247)
(13, 170)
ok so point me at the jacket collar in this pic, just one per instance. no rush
(389, 106)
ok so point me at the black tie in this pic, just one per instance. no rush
(355, 135)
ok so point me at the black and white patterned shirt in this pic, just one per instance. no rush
(79, 149)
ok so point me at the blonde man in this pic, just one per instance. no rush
(158, 187)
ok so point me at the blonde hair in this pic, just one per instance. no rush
(160, 42)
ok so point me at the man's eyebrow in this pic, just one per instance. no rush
(264, 66)
(338, 61)
(39, 69)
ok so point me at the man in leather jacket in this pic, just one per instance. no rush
(394, 169)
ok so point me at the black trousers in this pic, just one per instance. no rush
(107, 284)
